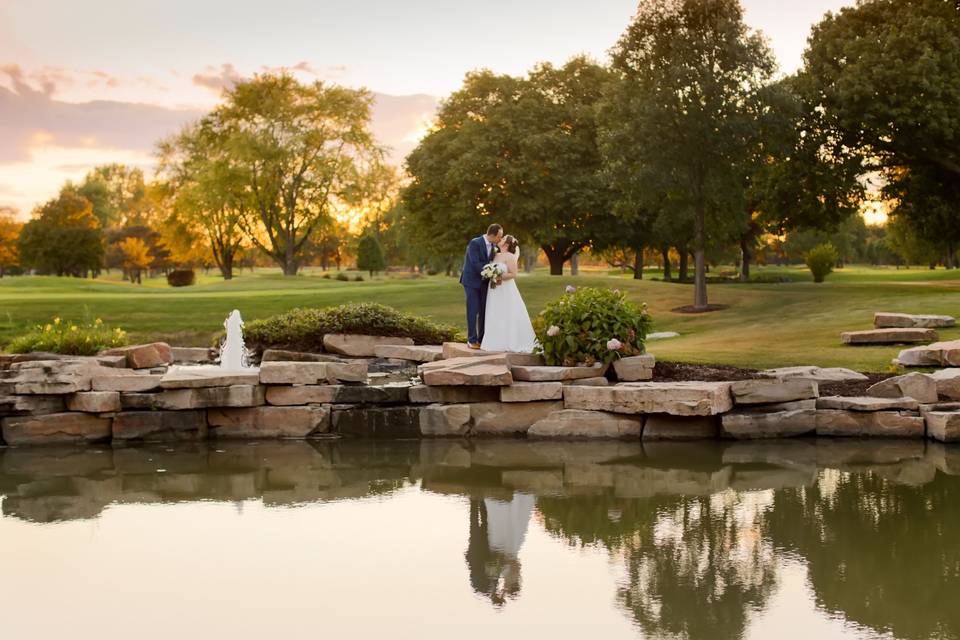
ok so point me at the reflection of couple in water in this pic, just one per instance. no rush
(497, 531)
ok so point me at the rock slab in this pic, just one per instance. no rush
(884, 320)
(311, 372)
(160, 426)
(556, 374)
(144, 356)
(661, 426)
(412, 353)
(772, 421)
(673, 398)
(888, 336)
(484, 371)
(531, 392)
(56, 428)
(944, 425)
(574, 423)
(767, 391)
(635, 368)
(919, 386)
(269, 422)
(359, 346)
(892, 424)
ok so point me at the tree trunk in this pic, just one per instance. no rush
(289, 259)
(227, 267)
(665, 252)
(699, 260)
(951, 260)
(683, 264)
(575, 264)
(745, 256)
(530, 263)
(556, 260)
(638, 262)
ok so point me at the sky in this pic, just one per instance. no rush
(86, 83)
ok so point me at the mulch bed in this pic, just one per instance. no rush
(679, 371)
(692, 309)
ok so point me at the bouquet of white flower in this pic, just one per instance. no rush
(493, 273)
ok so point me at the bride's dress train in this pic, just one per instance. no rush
(507, 324)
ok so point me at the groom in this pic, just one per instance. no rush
(480, 252)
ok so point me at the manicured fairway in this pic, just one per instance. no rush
(798, 322)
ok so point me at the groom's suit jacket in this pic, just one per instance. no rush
(474, 261)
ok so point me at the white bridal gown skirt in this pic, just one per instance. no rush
(507, 324)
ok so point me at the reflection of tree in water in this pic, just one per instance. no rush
(696, 565)
(883, 555)
(493, 573)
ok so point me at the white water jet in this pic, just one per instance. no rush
(233, 353)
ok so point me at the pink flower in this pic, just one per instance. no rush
(614, 345)
(554, 330)
(571, 289)
(616, 291)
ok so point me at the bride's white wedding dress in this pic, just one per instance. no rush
(507, 324)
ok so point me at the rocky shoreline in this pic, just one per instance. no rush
(370, 387)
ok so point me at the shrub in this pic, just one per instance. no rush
(181, 278)
(370, 255)
(342, 277)
(326, 276)
(303, 329)
(820, 261)
(71, 339)
(590, 325)
(358, 278)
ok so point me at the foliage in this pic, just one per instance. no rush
(84, 339)
(821, 260)
(342, 276)
(204, 188)
(521, 151)
(64, 238)
(370, 255)
(118, 195)
(303, 329)
(9, 232)
(181, 278)
(295, 151)
(135, 256)
(685, 114)
(589, 325)
(885, 74)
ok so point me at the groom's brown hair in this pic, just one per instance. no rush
(494, 229)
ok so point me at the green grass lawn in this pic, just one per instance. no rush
(766, 325)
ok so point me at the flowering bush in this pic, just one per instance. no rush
(85, 339)
(590, 325)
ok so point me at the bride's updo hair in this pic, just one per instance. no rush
(511, 243)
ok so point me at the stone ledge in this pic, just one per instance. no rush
(888, 336)
(531, 392)
(361, 346)
(886, 424)
(885, 320)
(274, 372)
(412, 353)
(867, 403)
(574, 423)
(56, 428)
(766, 391)
(160, 426)
(269, 422)
(483, 371)
(673, 398)
(556, 374)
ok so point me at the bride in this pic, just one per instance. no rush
(507, 324)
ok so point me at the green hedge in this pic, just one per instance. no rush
(83, 339)
(303, 329)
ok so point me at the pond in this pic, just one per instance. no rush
(482, 539)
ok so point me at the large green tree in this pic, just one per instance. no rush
(885, 74)
(691, 76)
(519, 151)
(297, 149)
(63, 238)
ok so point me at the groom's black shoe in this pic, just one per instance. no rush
(473, 345)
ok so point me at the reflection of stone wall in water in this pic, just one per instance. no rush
(881, 554)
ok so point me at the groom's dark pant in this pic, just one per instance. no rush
(476, 309)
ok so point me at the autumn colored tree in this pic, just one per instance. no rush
(9, 233)
(136, 257)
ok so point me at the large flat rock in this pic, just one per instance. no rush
(888, 336)
(769, 391)
(56, 428)
(938, 354)
(660, 426)
(820, 375)
(207, 376)
(269, 422)
(282, 355)
(445, 420)
(948, 382)
(867, 403)
(238, 395)
(422, 394)
(508, 418)
(459, 350)
(413, 353)
(772, 421)
(892, 424)
(531, 392)
(31, 405)
(885, 320)
(130, 382)
(193, 355)
(635, 368)
(160, 426)
(312, 372)
(485, 371)
(359, 346)
(673, 398)
(94, 401)
(944, 425)
(919, 386)
(53, 377)
(556, 374)
(574, 423)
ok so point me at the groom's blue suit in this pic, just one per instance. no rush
(475, 287)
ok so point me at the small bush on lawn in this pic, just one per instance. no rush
(820, 261)
(342, 277)
(358, 278)
(590, 325)
(85, 339)
(303, 329)
(181, 278)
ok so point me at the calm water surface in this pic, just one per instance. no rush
(490, 539)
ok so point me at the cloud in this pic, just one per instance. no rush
(217, 81)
